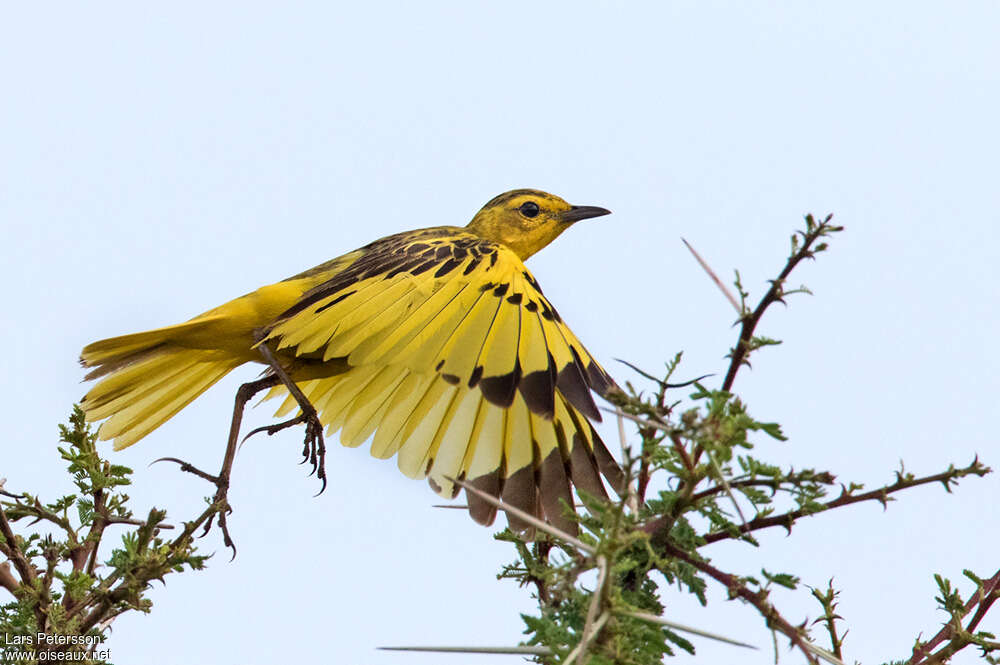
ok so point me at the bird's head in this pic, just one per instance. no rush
(526, 220)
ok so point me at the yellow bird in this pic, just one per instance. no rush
(436, 344)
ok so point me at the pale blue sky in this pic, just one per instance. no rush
(159, 161)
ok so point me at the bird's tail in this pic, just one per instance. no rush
(148, 377)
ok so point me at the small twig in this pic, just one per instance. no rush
(21, 563)
(774, 294)
(3, 481)
(663, 384)
(40, 513)
(830, 616)
(675, 439)
(711, 273)
(135, 522)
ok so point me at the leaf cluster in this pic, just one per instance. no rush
(64, 576)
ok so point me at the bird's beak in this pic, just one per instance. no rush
(576, 213)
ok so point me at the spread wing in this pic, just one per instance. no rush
(458, 363)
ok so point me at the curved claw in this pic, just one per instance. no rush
(249, 434)
(168, 459)
(208, 526)
(227, 541)
(189, 468)
(271, 430)
(305, 450)
(226, 538)
(258, 430)
(314, 450)
(223, 509)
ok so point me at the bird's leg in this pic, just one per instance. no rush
(314, 447)
(221, 481)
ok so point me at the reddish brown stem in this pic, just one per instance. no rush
(758, 599)
(881, 495)
(984, 599)
(773, 295)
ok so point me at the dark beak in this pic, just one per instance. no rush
(576, 213)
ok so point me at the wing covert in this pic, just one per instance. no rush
(446, 302)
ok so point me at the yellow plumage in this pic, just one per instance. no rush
(436, 344)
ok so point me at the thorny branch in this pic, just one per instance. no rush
(14, 553)
(758, 599)
(676, 444)
(76, 599)
(828, 599)
(847, 497)
(953, 636)
(749, 320)
(659, 529)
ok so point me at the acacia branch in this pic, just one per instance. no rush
(958, 638)
(24, 567)
(13, 552)
(775, 294)
(7, 580)
(758, 599)
(26, 505)
(126, 586)
(93, 539)
(986, 597)
(846, 498)
(829, 618)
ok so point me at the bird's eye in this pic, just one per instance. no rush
(529, 209)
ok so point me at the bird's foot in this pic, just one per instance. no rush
(313, 446)
(220, 501)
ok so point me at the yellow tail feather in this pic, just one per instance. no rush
(147, 379)
(109, 354)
